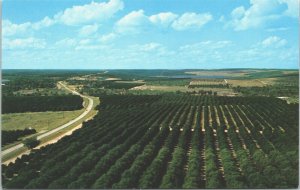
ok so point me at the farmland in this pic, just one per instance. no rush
(40, 121)
(154, 129)
(171, 141)
(148, 94)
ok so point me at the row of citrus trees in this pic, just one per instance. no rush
(160, 143)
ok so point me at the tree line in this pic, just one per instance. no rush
(20, 104)
(14, 135)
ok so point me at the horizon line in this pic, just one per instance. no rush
(149, 69)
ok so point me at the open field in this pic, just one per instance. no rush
(220, 91)
(208, 82)
(223, 73)
(135, 81)
(41, 121)
(218, 73)
(247, 83)
(161, 88)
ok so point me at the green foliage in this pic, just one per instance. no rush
(31, 142)
(273, 91)
(284, 86)
(168, 82)
(144, 142)
(13, 135)
(19, 104)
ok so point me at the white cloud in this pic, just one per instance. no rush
(133, 22)
(205, 54)
(238, 12)
(271, 52)
(24, 43)
(85, 42)
(163, 19)
(46, 22)
(206, 45)
(151, 46)
(75, 44)
(108, 37)
(278, 29)
(260, 12)
(88, 30)
(274, 41)
(292, 8)
(90, 12)
(93, 12)
(191, 21)
(67, 42)
(147, 47)
(10, 29)
(137, 21)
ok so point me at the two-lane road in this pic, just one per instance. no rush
(86, 111)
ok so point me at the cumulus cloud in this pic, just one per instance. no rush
(46, 22)
(91, 47)
(133, 22)
(292, 8)
(152, 46)
(273, 41)
(89, 13)
(137, 21)
(108, 37)
(9, 28)
(277, 29)
(77, 15)
(88, 30)
(67, 42)
(24, 43)
(191, 21)
(207, 45)
(163, 19)
(238, 12)
(262, 11)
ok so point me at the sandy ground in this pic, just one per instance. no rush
(52, 141)
(113, 79)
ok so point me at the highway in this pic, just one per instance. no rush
(44, 135)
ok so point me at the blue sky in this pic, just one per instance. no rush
(150, 34)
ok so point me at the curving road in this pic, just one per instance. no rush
(39, 137)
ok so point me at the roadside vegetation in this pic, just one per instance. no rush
(31, 142)
(14, 135)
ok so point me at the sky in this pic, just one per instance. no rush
(150, 34)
